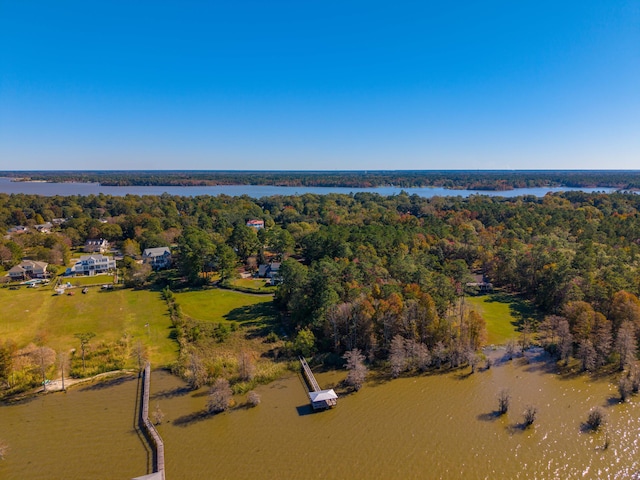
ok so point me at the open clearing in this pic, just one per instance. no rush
(503, 313)
(221, 306)
(37, 313)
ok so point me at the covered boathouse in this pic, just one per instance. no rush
(323, 399)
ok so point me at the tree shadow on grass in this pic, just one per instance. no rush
(252, 314)
(519, 308)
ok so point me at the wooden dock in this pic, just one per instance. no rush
(320, 399)
(155, 441)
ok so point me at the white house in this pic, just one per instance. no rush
(159, 257)
(96, 245)
(93, 264)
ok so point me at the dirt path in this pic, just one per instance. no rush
(56, 385)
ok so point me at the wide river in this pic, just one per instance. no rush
(435, 426)
(258, 191)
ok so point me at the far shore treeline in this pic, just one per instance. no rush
(498, 180)
(379, 279)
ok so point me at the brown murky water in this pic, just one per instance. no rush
(437, 426)
(87, 433)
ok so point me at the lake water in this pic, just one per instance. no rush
(257, 191)
(425, 427)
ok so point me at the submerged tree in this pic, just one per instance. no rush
(398, 356)
(357, 369)
(530, 414)
(504, 398)
(596, 419)
(625, 387)
(158, 415)
(219, 396)
(626, 346)
(253, 398)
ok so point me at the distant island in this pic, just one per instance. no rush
(489, 180)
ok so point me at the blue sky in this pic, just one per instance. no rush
(319, 85)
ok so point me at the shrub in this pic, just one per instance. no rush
(596, 419)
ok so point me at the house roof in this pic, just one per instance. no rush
(96, 241)
(323, 395)
(33, 264)
(156, 252)
(95, 256)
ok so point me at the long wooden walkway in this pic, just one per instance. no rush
(320, 399)
(311, 379)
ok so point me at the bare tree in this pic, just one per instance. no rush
(626, 344)
(196, 373)
(587, 355)
(357, 369)
(602, 340)
(634, 376)
(84, 338)
(63, 362)
(504, 398)
(246, 366)
(510, 349)
(439, 353)
(625, 387)
(473, 359)
(220, 396)
(141, 354)
(565, 341)
(44, 357)
(253, 398)
(158, 415)
(398, 356)
(530, 414)
(422, 356)
(525, 335)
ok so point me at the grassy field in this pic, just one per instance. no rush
(28, 314)
(502, 313)
(256, 284)
(88, 280)
(219, 305)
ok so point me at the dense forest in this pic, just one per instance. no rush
(477, 180)
(383, 275)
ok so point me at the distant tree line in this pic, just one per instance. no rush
(478, 180)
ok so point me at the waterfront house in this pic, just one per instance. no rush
(93, 265)
(93, 245)
(28, 269)
(256, 224)
(158, 258)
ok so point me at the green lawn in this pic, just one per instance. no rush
(219, 305)
(88, 280)
(30, 313)
(502, 313)
(257, 284)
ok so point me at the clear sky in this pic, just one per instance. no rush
(319, 85)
